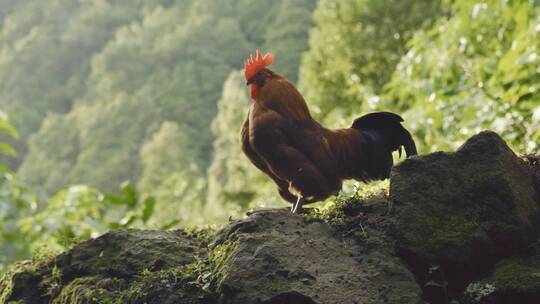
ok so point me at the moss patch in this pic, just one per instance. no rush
(519, 274)
(469, 207)
(93, 289)
(365, 215)
(364, 197)
(123, 266)
(23, 279)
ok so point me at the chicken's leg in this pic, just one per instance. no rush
(297, 207)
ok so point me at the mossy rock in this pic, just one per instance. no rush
(513, 280)
(92, 289)
(122, 266)
(470, 207)
(124, 253)
(279, 257)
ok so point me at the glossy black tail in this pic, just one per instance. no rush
(385, 134)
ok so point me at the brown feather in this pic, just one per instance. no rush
(283, 140)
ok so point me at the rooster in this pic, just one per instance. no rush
(308, 162)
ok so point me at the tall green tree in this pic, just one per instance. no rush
(170, 175)
(287, 35)
(354, 49)
(168, 65)
(47, 48)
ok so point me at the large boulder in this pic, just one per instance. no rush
(513, 280)
(278, 257)
(266, 257)
(465, 209)
(129, 266)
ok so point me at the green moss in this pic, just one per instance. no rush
(450, 232)
(219, 260)
(6, 286)
(201, 277)
(52, 281)
(278, 284)
(517, 274)
(368, 196)
(180, 284)
(203, 235)
(148, 282)
(40, 258)
(92, 289)
(364, 214)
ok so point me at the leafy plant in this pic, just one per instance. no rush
(9, 131)
(476, 70)
(354, 49)
(72, 215)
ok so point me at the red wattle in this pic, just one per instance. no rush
(254, 91)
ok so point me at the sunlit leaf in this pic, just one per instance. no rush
(7, 149)
(170, 224)
(148, 208)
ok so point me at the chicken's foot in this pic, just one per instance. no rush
(297, 207)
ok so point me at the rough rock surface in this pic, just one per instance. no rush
(106, 268)
(469, 207)
(513, 280)
(302, 262)
(267, 257)
(455, 228)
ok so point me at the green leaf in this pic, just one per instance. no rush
(7, 128)
(123, 223)
(169, 225)
(148, 209)
(7, 149)
(114, 200)
(4, 169)
(129, 194)
(127, 197)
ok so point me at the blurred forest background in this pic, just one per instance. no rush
(125, 113)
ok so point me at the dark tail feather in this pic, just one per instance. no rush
(385, 135)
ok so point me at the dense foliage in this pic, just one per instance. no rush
(354, 49)
(478, 69)
(108, 91)
(166, 65)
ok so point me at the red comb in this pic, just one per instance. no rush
(253, 65)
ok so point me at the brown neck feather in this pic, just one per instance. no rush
(280, 95)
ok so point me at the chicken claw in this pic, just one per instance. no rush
(297, 207)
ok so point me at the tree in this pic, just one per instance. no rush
(476, 70)
(354, 49)
(15, 201)
(170, 175)
(47, 47)
(168, 65)
(287, 35)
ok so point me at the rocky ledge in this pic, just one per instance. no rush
(454, 228)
